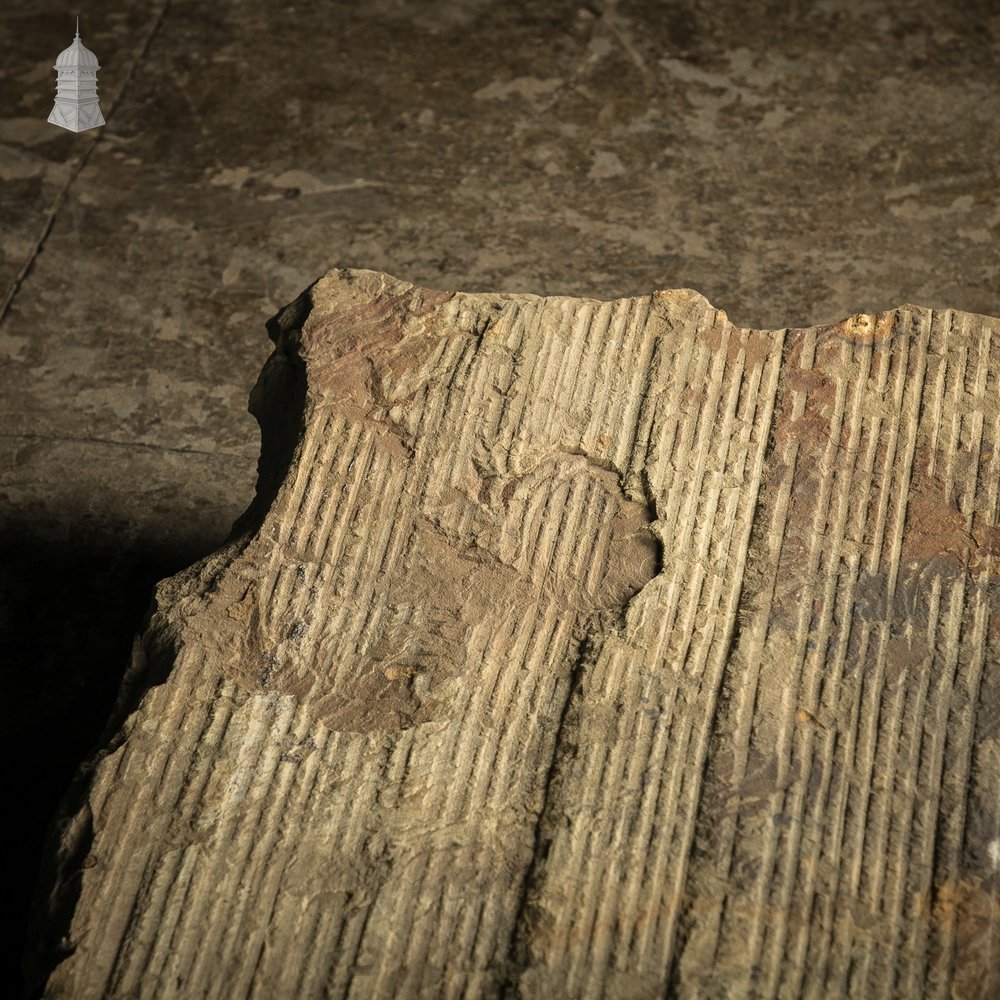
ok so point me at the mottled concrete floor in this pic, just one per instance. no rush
(795, 161)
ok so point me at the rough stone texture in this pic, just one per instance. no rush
(571, 648)
(795, 161)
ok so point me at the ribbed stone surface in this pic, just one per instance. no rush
(571, 649)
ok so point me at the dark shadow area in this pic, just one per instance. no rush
(68, 614)
(277, 403)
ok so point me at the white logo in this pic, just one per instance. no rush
(76, 106)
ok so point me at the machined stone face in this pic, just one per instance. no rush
(570, 648)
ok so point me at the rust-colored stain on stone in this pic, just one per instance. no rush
(865, 328)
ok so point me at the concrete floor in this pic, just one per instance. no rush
(795, 162)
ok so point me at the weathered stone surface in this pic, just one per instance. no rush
(576, 649)
(794, 162)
